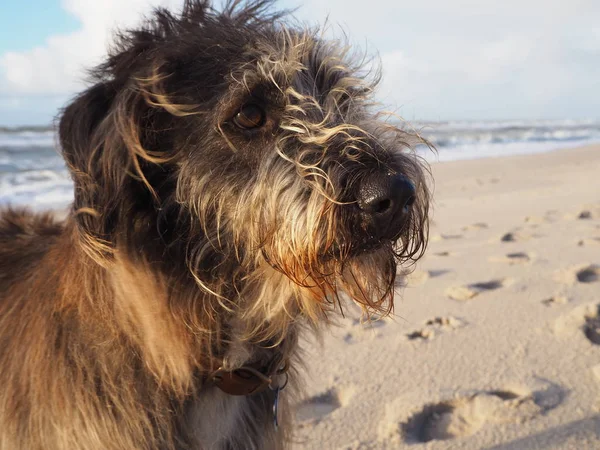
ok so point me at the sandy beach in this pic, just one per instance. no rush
(495, 343)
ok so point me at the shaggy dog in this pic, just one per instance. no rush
(232, 182)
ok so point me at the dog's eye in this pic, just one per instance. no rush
(249, 116)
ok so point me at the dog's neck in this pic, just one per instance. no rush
(149, 306)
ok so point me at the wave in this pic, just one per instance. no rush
(451, 134)
(33, 173)
(26, 139)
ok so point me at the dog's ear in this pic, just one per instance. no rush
(81, 148)
(79, 120)
(77, 126)
(110, 143)
(117, 140)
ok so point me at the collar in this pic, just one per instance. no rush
(252, 378)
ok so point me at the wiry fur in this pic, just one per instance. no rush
(191, 244)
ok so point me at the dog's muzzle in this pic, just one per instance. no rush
(384, 203)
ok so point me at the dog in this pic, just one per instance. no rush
(234, 184)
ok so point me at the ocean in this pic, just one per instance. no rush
(33, 173)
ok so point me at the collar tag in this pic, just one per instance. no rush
(278, 389)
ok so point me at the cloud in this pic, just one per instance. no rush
(58, 66)
(441, 59)
(485, 60)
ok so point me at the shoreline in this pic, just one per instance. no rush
(567, 147)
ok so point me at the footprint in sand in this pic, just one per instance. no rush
(591, 327)
(444, 237)
(435, 326)
(465, 416)
(588, 212)
(416, 278)
(419, 277)
(515, 236)
(589, 242)
(423, 334)
(556, 300)
(438, 273)
(514, 258)
(369, 322)
(583, 319)
(535, 221)
(475, 226)
(469, 291)
(587, 273)
(361, 328)
(315, 408)
(444, 254)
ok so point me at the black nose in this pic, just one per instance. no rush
(384, 200)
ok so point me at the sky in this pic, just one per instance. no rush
(441, 59)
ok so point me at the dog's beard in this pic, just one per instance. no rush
(369, 278)
(364, 273)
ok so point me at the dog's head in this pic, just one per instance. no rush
(235, 146)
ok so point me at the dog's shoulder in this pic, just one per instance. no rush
(23, 223)
(25, 238)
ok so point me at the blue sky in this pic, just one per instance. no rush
(442, 59)
(26, 24)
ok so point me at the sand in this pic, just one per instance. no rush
(495, 343)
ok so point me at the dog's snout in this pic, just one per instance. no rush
(385, 199)
(384, 196)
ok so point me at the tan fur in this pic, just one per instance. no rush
(146, 347)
